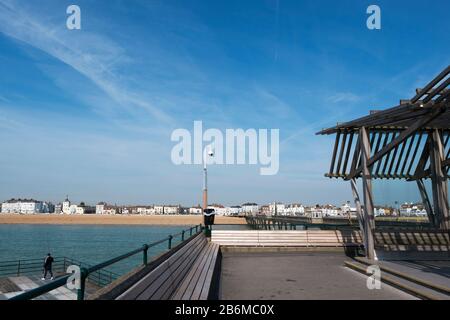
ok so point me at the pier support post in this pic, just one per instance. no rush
(426, 202)
(439, 182)
(369, 222)
(357, 200)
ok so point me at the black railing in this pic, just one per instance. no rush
(88, 271)
(331, 223)
(35, 267)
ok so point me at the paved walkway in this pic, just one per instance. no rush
(25, 283)
(296, 276)
(12, 286)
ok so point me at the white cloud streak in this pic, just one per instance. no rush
(94, 56)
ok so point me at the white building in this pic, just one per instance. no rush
(72, 209)
(250, 209)
(347, 210)
(100, 207)
(25, 206)
(66, 206)
(110, 210)
(172, 209)
(411, 209)
(277, 208)
(167, 209)
(234, 211)
(58, 209)
(144, 210)
(159, 209)
(195, 210)
(294, 209)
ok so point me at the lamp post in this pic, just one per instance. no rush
(205, 177)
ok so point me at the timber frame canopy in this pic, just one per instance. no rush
(409, 142)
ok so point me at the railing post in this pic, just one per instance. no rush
(18, 269)
(182, 235)
(170, 242)
(196, 229)
(190, 231)
(83, 276)
(144, 258)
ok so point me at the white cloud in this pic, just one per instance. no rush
(92, 55)
(344, 97)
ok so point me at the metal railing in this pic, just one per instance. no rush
(88, 271)
(291, 223)
(35, 266)
(328, 223)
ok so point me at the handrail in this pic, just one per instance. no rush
(85, 272)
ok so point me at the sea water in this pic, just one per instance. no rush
(90, 244)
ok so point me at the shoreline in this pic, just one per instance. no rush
(53, 219)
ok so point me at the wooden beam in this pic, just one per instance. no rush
(336, 145)
(369, 221)
(423, 158)
(437, 90)
(426, 202)
(347, 154)
(341, 153)
(357, 200)
(403, 135)
(414, 153)
(445, 163)
(439, 182)
(429, 86)
(408, 151)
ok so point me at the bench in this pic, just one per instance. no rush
(306, 238)
(191, 273)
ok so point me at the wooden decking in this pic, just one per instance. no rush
(187, 274)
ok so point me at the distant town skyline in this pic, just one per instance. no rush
(90, 112)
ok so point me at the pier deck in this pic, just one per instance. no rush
(12, 286)
(296, 276)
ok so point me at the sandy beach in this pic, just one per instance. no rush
(113, 219)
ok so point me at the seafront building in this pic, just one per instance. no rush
(26, 206)
(30, 206)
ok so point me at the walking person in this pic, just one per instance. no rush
(48, 266)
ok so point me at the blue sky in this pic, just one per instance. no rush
(89, 112)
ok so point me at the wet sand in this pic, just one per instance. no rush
(113, 219)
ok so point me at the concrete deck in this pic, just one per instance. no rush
(434, 272)
(25, 283)
(296, 276)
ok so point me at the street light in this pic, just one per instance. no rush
(205, 177)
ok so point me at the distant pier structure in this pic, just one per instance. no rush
(408, 142)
